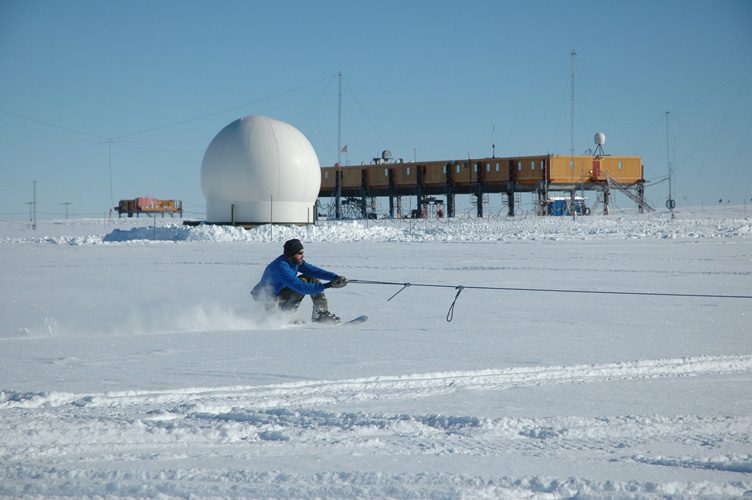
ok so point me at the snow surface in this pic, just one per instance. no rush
(135, 365)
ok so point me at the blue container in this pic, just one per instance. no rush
(558, 208)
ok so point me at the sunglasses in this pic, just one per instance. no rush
(300, 253)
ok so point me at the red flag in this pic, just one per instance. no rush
(344, 150)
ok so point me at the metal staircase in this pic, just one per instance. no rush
(641, 203)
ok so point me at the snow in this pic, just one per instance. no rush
(135, 365)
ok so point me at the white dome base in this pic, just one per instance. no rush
(254, 213)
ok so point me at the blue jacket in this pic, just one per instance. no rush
(282, 272)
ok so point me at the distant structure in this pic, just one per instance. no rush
(258, 170)
(542, 174)
(149, 206)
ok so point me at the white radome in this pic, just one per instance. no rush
(258, 170)
(600, 138)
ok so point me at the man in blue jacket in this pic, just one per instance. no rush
(282, 288)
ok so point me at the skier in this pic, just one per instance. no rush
(282, 288)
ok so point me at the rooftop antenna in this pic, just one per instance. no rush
(600, 140)
(493, 145)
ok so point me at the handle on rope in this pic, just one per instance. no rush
(450, 313)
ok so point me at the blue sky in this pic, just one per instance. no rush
(103, 101)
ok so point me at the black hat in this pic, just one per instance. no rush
(292, 247)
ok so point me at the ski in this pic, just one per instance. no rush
(356, 321)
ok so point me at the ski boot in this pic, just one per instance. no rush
(324, 317)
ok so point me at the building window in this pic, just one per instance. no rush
(519, 166)
(571, 164)
(620, 165)
(445, 168)
(386, 172)
(408, 170)
(326, 175)
(532, 165)
(497, 167)
(488, 167)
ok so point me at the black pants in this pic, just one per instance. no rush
(289, 300)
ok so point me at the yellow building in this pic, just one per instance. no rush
(540, 174)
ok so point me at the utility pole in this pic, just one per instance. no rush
(66, 203)
(33, 207)
(109, 159)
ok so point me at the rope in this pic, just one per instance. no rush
(459, 288)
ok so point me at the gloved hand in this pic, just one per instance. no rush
(337, 282)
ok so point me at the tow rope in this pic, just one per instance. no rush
(460, 288)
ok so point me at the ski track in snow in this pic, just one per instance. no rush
(384, 387)
(250, 423)
(317, 439)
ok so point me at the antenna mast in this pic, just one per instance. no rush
(670, 203)
(337, 210)
(339, 120)
(572, 123)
